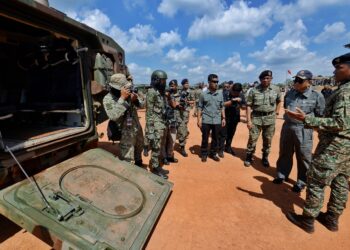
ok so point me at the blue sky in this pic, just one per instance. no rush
(234, 39)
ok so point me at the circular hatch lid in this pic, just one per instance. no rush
(103, 190)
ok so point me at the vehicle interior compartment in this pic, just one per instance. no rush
(41, 93)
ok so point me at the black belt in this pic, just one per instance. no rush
(258, 113)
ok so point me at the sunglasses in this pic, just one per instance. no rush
(214, 81)
(298, 80)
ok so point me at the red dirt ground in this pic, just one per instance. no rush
(220, 205)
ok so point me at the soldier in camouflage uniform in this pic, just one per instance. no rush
(263, 103)
(155, 120)
(171, 124)
(197, 93)
(331, 161)
(120, 105)
(186, 100)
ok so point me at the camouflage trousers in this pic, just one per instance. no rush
(267, 134)
(330, 167)
(131, 144)
(169, 142)
(156, 141)
(195, 112)
(182, 131)
(145, 139)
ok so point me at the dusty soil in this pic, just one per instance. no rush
(220, 205)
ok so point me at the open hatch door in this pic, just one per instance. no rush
(96, 202)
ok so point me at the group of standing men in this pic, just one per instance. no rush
(167, 114)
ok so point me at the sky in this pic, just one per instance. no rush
(234, 39)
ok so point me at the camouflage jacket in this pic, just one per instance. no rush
(264, 100)
(155, 110)
(177, 110)
(334, 127)
(120, 110)
(190, 97)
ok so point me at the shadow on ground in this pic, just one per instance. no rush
(280, 195)
(8, 228)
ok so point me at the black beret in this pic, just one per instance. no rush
(174, 81)
(265, 73)
(184, 81)
(341, 59)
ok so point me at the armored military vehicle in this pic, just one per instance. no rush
(54, 72)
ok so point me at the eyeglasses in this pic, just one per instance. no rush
(214, 81)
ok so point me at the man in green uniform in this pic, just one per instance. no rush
(263, 104)
(331, 161)
(197, 93)
(186, 100)
(155, 120)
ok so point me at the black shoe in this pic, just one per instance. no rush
(230, 151)
(296, 188)
(139, 163)
(329, 220)
(304, 222)
(183, 152)
(160, 172)
(221, 154)
(172, 159)
(278, 180)
(214, 157)
(204, 158)
(145, 151)
(165, 161)
(265, 162)
(164, 170)
(248, 160)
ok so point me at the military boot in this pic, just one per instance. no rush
(145, 151)
(139, 163)
(329, 220)
(160, 172)
(183, 151)
(248, 160)
(304, 222)
(265, 161)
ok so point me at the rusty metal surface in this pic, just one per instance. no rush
(103, 202)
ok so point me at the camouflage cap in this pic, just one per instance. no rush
(304, 74)
(341, 59)
(265, 73)
(118, 81)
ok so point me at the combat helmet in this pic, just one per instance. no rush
(157, 75)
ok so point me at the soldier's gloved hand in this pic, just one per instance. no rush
(124, 93)
(249, 125)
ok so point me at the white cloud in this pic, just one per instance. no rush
(238, 20)
(95, 19)
(183, 55)
(331, 32)
(140, 39)
(199, 67)
(131, 4)
(288, 45)
(141, 74)
(314, 4)
(169, 38)
(193, 7)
